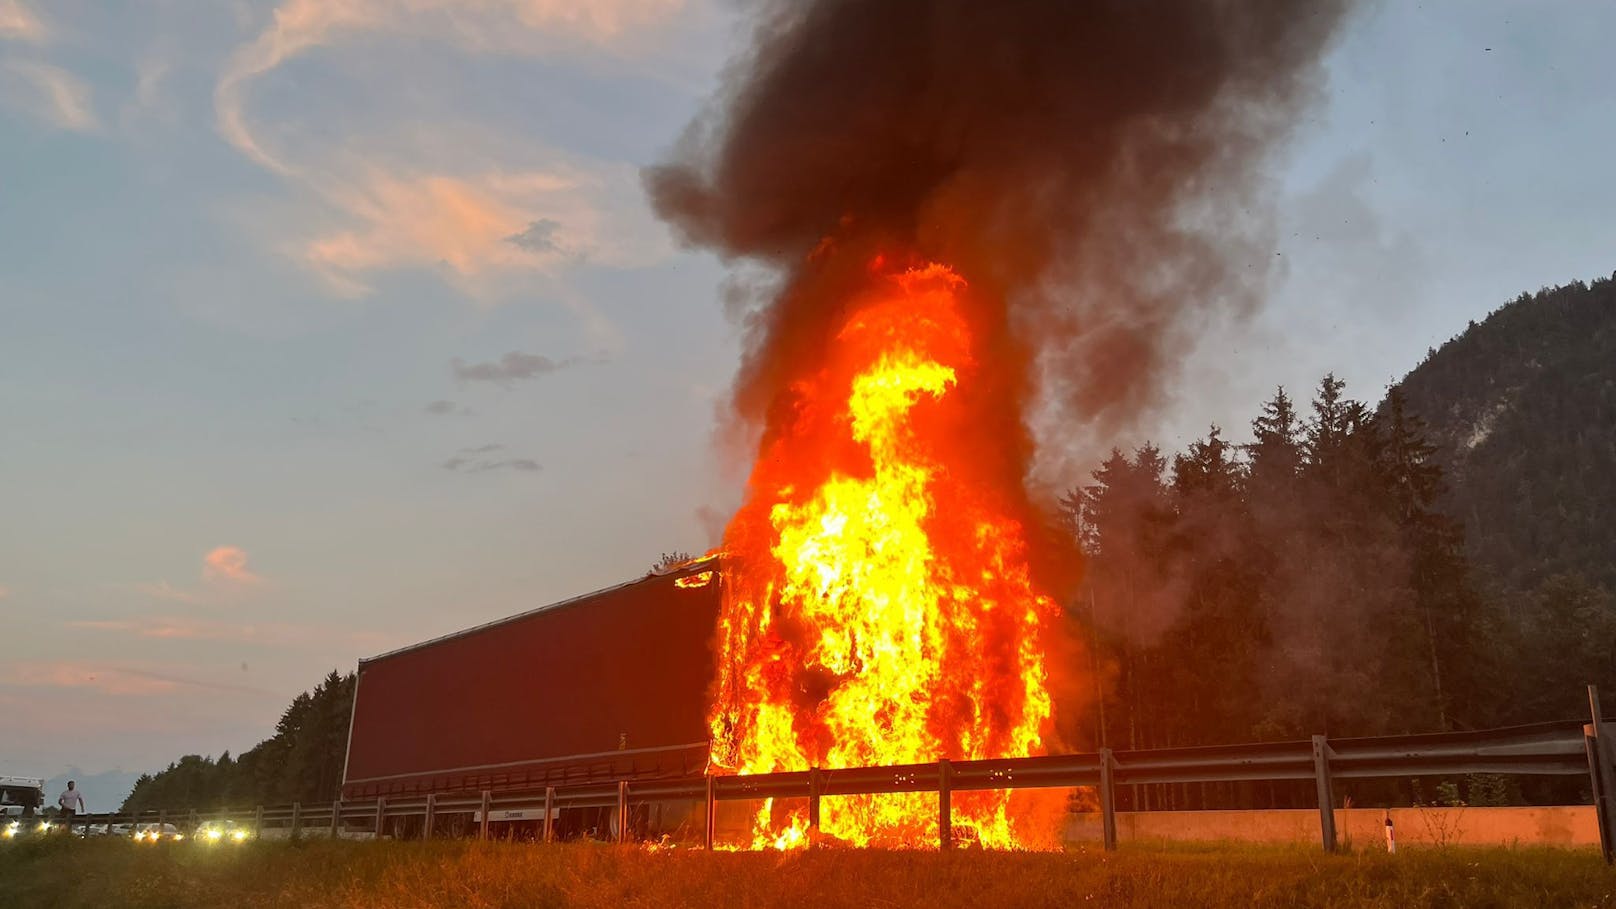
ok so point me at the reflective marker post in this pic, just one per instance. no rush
(549, 813)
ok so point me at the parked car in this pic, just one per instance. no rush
(18, 827)
(223, 832)
(151, 833)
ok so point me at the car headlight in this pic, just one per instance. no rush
(178, 837)
(214, 834)
(239, 836)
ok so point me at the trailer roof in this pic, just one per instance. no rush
(694, 566)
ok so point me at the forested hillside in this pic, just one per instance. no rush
(1302, 584)
(1311, 582)
(302, 761)
(1522, 409)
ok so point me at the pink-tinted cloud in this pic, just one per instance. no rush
(49, 93)
(19, 23)
(112, 679)
(162, 590)
(225, 576)
(83, 674)
(228, 564)
(273, 634)
(402, 220)
(180, 628)
(397, 195)
(496, 25)
(4, 592)
(472, 226)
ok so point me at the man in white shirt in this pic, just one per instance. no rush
(71, 801)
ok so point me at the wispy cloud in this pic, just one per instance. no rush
(110, 679)
(481, 459)
(81, 674)
(484, 465)
(488, 25)
(442, 408)
(376, 203)
(541, 236)
(514, 366)
(180, 628)
(19, 23)
(148, 101)
(278, 635)
(163, 590)
(49, 93)
(461, 224)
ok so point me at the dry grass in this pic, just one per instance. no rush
(100, 873)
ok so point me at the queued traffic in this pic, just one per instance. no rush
(22, 817)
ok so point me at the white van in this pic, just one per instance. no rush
(21, 796)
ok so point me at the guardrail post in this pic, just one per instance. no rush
(258, 822)
(945, 805)
(297, 818)
(813, 799)
(336, 817)
(488, 805)
(1321, 776)
(1108, 802)
(622, 811)
(711, 814)
(1602, 775)
(431, 815)
(191, 831)
(549, 813)
(381, 815)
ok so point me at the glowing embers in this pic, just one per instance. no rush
(694, 581)
(878, 609)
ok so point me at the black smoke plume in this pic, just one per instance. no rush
(1092, 167)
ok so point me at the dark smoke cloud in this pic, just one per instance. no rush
(1092, 168)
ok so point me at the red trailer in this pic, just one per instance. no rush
(607, 686)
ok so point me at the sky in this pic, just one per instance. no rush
(328, 326)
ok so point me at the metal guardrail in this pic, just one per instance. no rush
(1545, 749)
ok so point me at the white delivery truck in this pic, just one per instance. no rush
(20, 800)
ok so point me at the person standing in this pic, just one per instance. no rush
(71, 802)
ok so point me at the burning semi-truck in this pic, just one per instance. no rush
(607, 686)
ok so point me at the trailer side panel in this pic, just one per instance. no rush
(613, 683)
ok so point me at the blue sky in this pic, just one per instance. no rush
(330, 325)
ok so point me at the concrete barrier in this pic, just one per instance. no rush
(1572, 825)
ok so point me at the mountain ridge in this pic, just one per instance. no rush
(1522, 409)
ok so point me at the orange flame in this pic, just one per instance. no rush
(878, 608)
(694, 581)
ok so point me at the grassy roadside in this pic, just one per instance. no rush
(100, 873)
